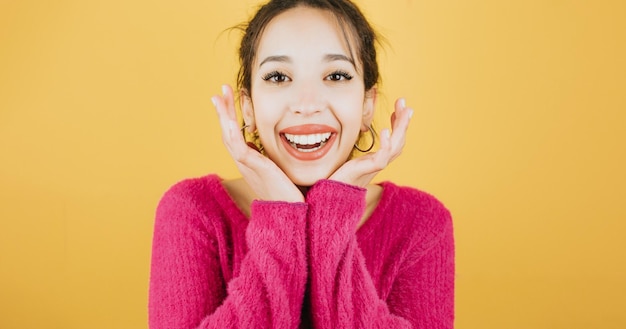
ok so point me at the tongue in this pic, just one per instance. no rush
(306, 147)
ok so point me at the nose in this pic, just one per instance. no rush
(308, 99)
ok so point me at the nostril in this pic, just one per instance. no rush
(307, 101)
(307, 110)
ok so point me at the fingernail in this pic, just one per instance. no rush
(224, 89)
(214, 101)
(410, 114)
(386, 133)
(402, 102)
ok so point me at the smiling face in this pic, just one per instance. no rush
(307, 100)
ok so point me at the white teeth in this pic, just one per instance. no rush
(310, 139)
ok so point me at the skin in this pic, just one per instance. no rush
(303, 75)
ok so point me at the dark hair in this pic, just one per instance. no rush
(348, 15)
(346, 12)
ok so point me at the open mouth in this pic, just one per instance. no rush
(307, 143)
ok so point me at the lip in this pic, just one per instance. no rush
(306, 130)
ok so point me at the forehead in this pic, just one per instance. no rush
(304, 32)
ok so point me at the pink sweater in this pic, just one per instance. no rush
(301, 265)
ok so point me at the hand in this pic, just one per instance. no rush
(361, 171)
(262, 175)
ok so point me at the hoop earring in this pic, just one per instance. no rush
(356, 146)
(259, 148)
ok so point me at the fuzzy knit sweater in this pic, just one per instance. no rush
(301, 265)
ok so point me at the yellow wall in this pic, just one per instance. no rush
(520, 129)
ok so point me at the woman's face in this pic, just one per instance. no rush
(307, 99)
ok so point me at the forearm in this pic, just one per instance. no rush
(186, 285)
(342, 292)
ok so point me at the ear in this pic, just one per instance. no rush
(247, 110)
(369, 104)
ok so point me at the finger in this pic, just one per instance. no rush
(229, 98)
(361, 170)
(399, 108)
(381, 158)
(227, 124)
(227, 103)
(385, 140)
(231, 136)
(398, 139)
(401, 112)
(400, 121)
(401, 116)
(400, 126)
(220, 108)
(240, 150)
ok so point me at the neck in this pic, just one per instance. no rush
(303, 189)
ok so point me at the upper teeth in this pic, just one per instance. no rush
(311, 139)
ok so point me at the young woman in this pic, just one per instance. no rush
(303, 239)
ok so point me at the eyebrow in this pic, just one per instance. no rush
(327, 58)
(338, 57)
(282, 59)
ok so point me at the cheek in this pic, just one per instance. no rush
(349, 111)
(267, 113)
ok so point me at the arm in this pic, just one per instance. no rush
(342, 291)
(423, 291)
(186, 285)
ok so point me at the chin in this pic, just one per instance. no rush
(306, 181)
(308, 178)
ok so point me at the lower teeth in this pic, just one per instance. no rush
(308, 150)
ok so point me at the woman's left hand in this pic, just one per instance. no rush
(361, 171)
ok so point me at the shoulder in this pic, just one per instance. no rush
(191, 192)
(414, 201)
(417, 213)
(191, 199)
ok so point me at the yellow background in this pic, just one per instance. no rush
(519, 129)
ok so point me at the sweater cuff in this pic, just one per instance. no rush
(337, 199)
(326, 189)
(280, 213)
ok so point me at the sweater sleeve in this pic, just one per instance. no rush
(186, 283)
(423, 291)
(342, 292)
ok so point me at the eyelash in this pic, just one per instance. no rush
(272, 76)
(342, 74)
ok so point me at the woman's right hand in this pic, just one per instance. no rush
(263, 176)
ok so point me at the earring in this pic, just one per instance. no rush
(252, 144)
(356, 146)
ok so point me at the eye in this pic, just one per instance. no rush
(276, 77)
(339, 76)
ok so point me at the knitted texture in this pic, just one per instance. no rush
(301, 265)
